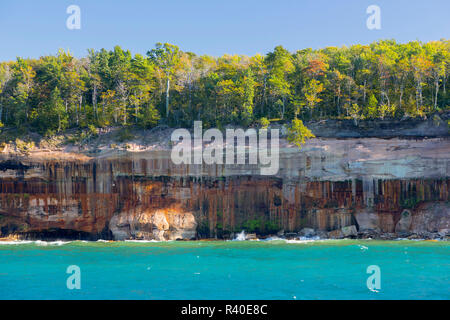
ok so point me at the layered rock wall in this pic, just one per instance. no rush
(381, 187)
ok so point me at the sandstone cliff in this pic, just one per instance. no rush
(366, 187)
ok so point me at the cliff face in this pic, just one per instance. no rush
(380, 187)
(435, 126)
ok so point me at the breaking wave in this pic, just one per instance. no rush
(37, 242)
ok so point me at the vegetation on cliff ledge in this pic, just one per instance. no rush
(115, 88)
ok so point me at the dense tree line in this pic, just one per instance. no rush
(380, 80)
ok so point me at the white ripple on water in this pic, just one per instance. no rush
(14, 242)
(37, 242)
(147, 241)
(51, 243)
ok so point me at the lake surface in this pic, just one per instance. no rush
(277, 269)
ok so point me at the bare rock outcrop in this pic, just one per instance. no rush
(147, 224)
(338, 188)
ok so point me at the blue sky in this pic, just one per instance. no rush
(30, 28)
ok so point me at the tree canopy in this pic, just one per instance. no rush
(382, 80)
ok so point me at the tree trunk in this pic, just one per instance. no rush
(339, 101)
(167, 98)
(81, 102)
(419, 93)
(401, 97)
(94, 100)
(364, 99)
(264, 97)
(124, 110)
(445, 80)
(190, 98)
(436, 82)
(136, 112)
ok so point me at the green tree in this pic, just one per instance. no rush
(372, 106)
(280, 67)
(51, 116)
(298, 133)
(166, 56)
(312, 90)
(23, 89)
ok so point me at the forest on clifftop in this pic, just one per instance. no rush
(168, 86)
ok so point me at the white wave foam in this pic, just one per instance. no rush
(241, 236)
(273, 239)
(51, 243)
(15, 242)
(298, 240)
(148, 241)
(301, 240)
(37, 242)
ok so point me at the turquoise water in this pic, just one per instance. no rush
(226, 270)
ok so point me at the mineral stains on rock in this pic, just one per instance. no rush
(337, 188)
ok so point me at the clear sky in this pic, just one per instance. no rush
(30, 28)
